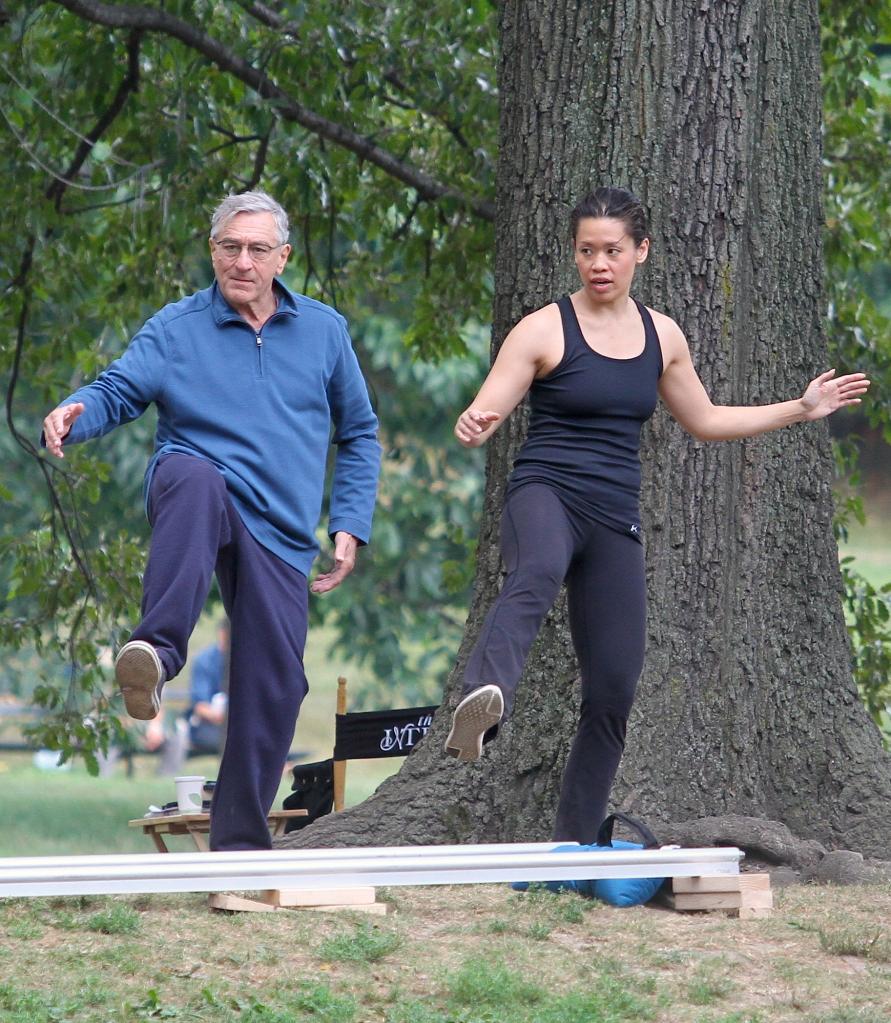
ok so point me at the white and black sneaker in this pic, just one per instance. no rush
(473, 717)
(140, 676)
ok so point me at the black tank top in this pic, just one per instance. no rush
(585, 422)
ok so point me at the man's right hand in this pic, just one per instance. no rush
(57, 425)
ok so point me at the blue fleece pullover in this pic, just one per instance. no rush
(258, 405)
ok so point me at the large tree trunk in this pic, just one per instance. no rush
(711, 113)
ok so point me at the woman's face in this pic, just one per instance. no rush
(607, 257)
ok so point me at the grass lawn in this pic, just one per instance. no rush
(468, 954)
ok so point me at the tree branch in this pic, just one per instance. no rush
(270, 18)
(260, 160)
(231, 135)
(154, 20)
(451, 126)
(129, 84)
(23, 442)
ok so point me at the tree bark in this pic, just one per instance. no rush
(711, 114)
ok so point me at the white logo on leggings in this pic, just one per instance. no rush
(635, 528)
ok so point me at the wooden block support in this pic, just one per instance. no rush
(359, 900)
(729, 883)
(723, 900)
(238, 903)
(747, 896)
(321, 897)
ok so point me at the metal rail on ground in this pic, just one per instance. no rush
(318, 869)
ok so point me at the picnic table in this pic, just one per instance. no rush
(198, 826)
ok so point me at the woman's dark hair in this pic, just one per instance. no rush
(617, 203)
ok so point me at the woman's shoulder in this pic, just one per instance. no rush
(539, 322)
(537, 336)
(669, 332)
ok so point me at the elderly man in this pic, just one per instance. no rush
(247, 377)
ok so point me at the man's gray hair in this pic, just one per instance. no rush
(249, 202)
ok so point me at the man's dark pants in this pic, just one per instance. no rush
(196, 531)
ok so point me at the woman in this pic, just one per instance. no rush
(594, 364)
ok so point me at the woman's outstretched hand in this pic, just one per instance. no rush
(473, 426)
(827, 393)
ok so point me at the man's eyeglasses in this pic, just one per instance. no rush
(257, 252)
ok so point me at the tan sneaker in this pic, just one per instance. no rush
(473, 717)
(140, 676)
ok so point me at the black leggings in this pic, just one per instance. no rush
(543, 544)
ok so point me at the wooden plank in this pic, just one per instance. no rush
(198, 825)
(727, 883)
(158, 839)
(723, 900)
(238, 904)
(200, 840)
(193, 819)
(320, 897)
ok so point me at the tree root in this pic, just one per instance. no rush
(771, 845)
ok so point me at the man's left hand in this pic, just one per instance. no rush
(345, 547)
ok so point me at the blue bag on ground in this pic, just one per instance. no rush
(617, 891)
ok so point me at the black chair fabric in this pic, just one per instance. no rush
(372, 734)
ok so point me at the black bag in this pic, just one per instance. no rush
(312, 790)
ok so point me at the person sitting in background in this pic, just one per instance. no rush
(201, 729)
(207, 714)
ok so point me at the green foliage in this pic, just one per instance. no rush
(868, 609)
(482, 990)
(710, 984)
(481, 983)
(857, 119)
(314, 1002)
(25, 1007)
(869, 613)
(115, 918)
(857, 133)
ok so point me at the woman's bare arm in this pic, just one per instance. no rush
(527, 350)
(686, 398)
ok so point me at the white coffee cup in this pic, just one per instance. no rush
(189, 792)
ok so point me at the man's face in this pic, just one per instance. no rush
(245, 279)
